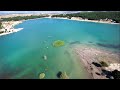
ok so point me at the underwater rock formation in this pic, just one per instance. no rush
(58, 43)
(62, 75)
(75, 42)
(42, 75)
(109, 45)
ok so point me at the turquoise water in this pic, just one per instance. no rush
(21, 53)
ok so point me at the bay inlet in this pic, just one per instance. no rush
(22, 53)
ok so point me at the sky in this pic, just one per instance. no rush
(36, 12)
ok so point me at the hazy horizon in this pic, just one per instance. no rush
(43, 12)
(36, 12)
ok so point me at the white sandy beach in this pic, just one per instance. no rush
(13, 31)
(79, 19)
(8, 27)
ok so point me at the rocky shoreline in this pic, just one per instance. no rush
(91, 59)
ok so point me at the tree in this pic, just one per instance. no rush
(0, 25)
(94, 15)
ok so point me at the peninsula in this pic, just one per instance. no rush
(7, 22)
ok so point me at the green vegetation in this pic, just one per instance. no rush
(1, 32)
(0, 25)
(42, 75)
(103, 64)
(62, 75)
(115, 16)
(58, 43)
(1, 28)
(22, 18)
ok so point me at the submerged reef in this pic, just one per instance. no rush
(42, 75)
(58, 43)
(62, 75)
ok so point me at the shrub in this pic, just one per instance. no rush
(0, 25)
(1, 32)
(103, 64)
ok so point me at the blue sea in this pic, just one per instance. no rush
(21, 53)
